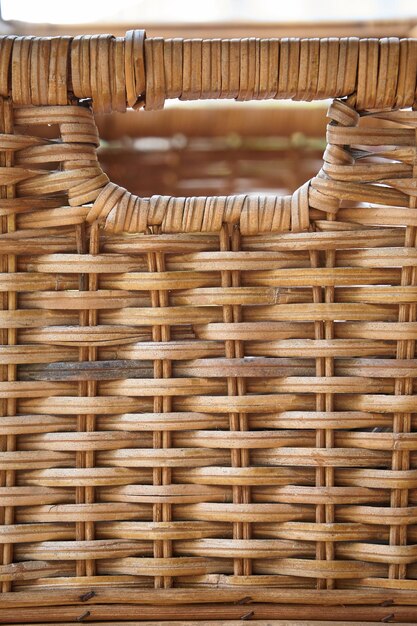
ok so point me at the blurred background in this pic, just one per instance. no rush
(213, 147)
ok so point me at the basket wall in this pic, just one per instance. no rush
(208, 403)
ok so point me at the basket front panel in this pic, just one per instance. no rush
(224, 413)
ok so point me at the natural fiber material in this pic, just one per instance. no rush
(135, 70)
(207, 402)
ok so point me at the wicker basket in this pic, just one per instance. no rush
(208, 402)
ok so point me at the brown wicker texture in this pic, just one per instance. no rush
(208, 402)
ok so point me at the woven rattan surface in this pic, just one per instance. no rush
(208, 403)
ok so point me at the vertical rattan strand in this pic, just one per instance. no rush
(404, 386)
(8, 336)
(236, 387)
(86, 423)
(329, 296)
(161, 404)
(324, 402)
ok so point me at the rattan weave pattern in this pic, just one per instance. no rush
(207, 402)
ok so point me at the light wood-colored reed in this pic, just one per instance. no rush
(208, 403)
